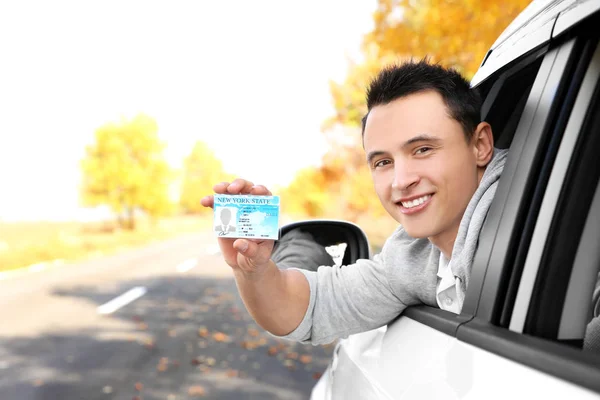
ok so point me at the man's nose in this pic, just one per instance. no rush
(404, 177)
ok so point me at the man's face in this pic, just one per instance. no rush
(423, 169)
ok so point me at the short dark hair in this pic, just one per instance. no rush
(400, 80)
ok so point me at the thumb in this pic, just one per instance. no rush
(246, 248)
(255, 255)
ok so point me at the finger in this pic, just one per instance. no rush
(239, 186)
(248, 248)
(260, 190)
(208, 201)
(221, 187)
(256, 253)
(248, 187)
(243, 246)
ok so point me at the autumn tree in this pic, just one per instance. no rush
(305, 196)
(125, 169)
(456, 33)
(202, 169)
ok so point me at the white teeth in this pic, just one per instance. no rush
(416, 202)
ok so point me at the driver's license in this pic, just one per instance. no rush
(246, 216)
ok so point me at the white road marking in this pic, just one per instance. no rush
(187, 265)
(122, 300)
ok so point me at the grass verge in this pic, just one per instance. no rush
(23, 244)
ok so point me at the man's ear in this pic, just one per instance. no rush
(483, 144)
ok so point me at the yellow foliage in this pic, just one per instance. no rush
(456, 33)
(307, 194)
(125, 169)
(202, 170)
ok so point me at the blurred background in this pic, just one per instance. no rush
(117, 117)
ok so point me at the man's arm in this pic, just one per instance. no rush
(276, 299)
(297, 249)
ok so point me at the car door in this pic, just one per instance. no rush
(535, 104)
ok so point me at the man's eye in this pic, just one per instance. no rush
(381, 163)
(423, 150)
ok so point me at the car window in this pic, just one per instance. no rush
(558, 303)
(506, 98)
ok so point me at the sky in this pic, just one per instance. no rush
(249, 78)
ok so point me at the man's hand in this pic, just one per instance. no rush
(277, 300)
(246, 255)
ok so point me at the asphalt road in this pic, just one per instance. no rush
(161, 322)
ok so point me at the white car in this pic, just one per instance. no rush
(522, 330)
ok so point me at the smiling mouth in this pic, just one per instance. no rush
(414, 206)
(415, 203)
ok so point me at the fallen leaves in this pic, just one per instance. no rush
(214, 346)
(203, 332)
(220, 337)
(162, 367)
(248, 345)
(163, 364)
(197, 391)
(232, 373)
(289, 364)
(305, 359)
(142, 326)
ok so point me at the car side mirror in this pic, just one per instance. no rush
(330, 233)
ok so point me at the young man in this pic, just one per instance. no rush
(435, 170)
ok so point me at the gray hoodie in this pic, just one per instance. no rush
(355, 298)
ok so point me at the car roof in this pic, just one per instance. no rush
(537, 24)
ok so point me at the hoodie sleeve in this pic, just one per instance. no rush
(345, 300)
(349, 299)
